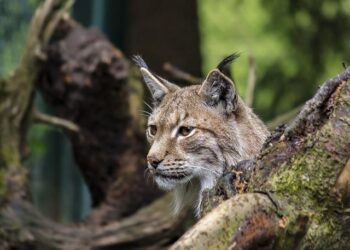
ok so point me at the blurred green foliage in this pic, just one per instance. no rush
(15, 16)
(296, 44)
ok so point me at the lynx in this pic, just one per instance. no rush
(196, 132)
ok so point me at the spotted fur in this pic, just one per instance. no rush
(221, 130)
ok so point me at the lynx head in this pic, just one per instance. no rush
(195, 132)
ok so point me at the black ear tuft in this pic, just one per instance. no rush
(227, 61)
(138, 60)
(156, 85)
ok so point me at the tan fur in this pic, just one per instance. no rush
(192, 163)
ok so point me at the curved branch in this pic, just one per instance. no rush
(221, 227)
(181, 75)
(55, 121)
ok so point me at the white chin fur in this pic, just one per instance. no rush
(188, 191)
(190, 194)
(170, 184)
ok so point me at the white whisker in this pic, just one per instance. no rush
(144, 113)
(147, 175)
(149, 106)
(207, 169)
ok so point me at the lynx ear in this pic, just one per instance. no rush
(156, 85)
(218, 91)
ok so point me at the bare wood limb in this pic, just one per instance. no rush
(213, 230)
(43, 23)
(180, 75)
(249, 98)
(55, 121)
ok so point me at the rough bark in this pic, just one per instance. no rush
(85, 80)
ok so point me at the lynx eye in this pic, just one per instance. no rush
(152, 130)
(185, 131)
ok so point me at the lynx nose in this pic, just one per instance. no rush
(154, 162)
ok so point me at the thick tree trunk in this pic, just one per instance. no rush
(86, 81)
(295, 196)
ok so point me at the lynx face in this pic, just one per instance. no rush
(184, 142)
(196, 132)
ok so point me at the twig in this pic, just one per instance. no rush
(251, 81)
(55, 121)
(43, 23)
(181, 75)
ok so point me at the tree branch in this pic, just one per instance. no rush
(55, 121)
(249, 98)
(180, 75)
(215, 229)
